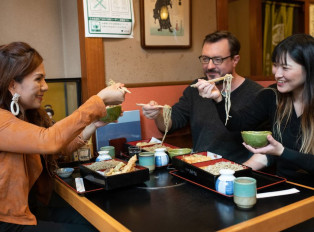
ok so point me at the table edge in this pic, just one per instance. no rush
(96, 216)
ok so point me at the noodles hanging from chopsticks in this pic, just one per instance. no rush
(226, 92)
(167, 116)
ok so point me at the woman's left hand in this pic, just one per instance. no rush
(273, 148)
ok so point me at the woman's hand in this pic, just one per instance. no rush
(208, 90)
(112, 95)
(273, 148)
(256, 162)
(91, 128)
(150, 110)
(98, 124)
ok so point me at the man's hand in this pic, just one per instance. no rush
(150, 110)
(208, 90)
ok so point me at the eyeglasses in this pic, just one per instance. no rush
(216, 60)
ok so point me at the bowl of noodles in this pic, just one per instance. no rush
(255, 139)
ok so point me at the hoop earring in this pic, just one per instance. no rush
(14, 101)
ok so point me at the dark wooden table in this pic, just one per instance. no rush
(167, 203)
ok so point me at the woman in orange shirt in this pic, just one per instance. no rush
(28, 139)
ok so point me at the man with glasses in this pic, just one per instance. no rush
(220, 56)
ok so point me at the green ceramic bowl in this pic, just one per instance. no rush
(179, 151)
(113, 113)
(255, 139)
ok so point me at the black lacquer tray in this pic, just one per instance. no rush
(263, 180)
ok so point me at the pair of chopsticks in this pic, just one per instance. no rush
(141, 104)
(125, 89)
(112, 82)
(215, 80)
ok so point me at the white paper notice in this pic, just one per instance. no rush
(79, 185)
(277, 193)
(109, 18)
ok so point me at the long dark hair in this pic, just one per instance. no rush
(17, 60)
(300, 47)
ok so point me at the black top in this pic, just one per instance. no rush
(208, 132)
(292, 164)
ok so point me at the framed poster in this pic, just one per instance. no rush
(165, 23)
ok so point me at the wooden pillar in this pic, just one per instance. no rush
(92, 59)
(307, 15)
(222, 14)
(256, 39)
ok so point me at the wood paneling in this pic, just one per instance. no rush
(92, 59)
(222, 14)
(256, 31)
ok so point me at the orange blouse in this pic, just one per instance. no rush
(21, 144)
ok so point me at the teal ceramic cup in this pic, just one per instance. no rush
(244, 192)
(111, 150)
(147, 159)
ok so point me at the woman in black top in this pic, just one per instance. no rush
(288, 105)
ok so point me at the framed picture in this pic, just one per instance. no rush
(165, 23)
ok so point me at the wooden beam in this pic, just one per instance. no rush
(92, 59)
(307, 16)
(256, 38)
(222, 14)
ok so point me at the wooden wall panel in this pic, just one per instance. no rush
(92, 59)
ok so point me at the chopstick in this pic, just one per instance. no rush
(112, 82)
(125, 89)
(215, 80)
(142, 104)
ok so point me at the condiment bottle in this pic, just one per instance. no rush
(161, 157)
(224, 183)
(103, 155)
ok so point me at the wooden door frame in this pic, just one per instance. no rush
(256, 33)
(92, 59)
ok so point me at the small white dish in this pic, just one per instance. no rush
(64, 172)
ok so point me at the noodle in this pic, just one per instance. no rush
(226, 92)
(152, 148)
(214, 169)
(111, 82)
(103, 165)
(167, 116)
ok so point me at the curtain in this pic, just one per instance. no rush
(278, 24)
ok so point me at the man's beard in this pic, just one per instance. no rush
(210, 74)
(218, 83)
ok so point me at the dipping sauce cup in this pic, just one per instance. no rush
(147, 159)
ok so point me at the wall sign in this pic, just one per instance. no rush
(109, 18)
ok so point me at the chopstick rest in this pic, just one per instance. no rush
(277, 193)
